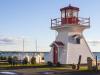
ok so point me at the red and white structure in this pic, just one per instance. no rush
(70, 42)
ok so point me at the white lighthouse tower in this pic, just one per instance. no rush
(70, 42)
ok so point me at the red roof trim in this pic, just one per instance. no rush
(70, 7)
(58, 43)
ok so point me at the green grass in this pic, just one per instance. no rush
(63, 68)
(33, 71)
(19, 65)
(30, 64)
(83, 68)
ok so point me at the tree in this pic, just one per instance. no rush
(10, 60)
(14, 60)
(33, 60)
(3, 58)
(25, 60)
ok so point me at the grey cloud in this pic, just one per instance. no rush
(7, 41)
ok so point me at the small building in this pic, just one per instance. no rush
(40, 56)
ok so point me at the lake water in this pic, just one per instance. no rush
(94, 53)
(97, 54)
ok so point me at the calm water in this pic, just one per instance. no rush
(94, 53)
(97, 54)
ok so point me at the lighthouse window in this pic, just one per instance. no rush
(78, 40)
(70, 14)
(75, 14)
(42, 58)
(63, 14)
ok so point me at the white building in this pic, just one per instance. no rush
(40, 55)
(70, 42)
(13, 46)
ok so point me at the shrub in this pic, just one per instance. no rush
(3, 58)
(73, 66)
(49, 63)
(58, 64)
(94, 68)
(10, 60)
(14, 60)
(25, 60)
(33, 60)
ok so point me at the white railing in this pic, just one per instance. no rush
(82, 21)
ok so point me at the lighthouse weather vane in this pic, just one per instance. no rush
(69, 1)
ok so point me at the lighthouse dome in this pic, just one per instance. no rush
(69, 8)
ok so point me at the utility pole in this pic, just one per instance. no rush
(23, 45)
(96, 63)
(23, 41)
(36, 45)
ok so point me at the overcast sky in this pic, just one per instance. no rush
(31, 19)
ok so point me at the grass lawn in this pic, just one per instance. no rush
(8, 66)
(64, 68)
(67, 71)
(35, 71)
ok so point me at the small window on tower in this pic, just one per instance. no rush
(42, 58)
(63, 14)
(78, 40)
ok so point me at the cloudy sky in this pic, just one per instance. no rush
(31, 19)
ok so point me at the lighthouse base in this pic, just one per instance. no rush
(69, 53)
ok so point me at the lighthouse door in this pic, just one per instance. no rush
(55, 54)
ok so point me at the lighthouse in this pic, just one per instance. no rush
(70, 42)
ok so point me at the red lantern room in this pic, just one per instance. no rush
(69, 15)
